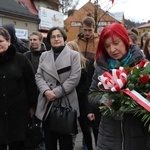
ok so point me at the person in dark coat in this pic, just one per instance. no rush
(82, 92)
(93, 113)
(17, 94)
(88, 41)
(37, 47)
(127, 132)
(19, 44)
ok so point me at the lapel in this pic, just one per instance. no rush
(51, 67)
(63, 60)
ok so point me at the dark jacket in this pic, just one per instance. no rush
(20, 45)
(126, 134)
(17, 95)
(82, 92)
(34, 56)
(91, 108)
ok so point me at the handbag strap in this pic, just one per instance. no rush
(65, 95)
(48, 108)
(50, 104)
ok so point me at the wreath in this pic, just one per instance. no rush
(128, 88)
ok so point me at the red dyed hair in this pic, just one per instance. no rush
(114, 29)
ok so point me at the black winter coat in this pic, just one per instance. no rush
(34, 56)
(82, 92)
(17, 95)
(20, 45)
(126, 134)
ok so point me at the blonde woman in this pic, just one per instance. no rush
(74, 46)
(147, 49)
(82, 91)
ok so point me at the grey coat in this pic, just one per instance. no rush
(66, 69)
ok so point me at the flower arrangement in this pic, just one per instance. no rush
(129, 91)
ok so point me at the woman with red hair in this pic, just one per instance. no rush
(116, 133)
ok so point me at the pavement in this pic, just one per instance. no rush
(78, 141)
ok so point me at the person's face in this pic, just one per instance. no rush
(4, 44)
(56, 39)
(115, 48)
(87, 31)
(131, 41)
(144, 39)
(148, 48)
(35, 42)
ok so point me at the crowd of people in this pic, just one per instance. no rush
(32, 78)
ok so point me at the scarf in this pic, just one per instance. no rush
(57, 51)
(113, 63)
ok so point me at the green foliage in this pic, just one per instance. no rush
(130, 24)
(139, 80)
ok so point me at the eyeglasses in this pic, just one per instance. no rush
(59, 36)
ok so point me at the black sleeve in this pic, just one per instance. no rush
(90, 71)
(21, 47)
(30, 84)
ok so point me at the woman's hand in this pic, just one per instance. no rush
(104, 100)
(108, 103)
(50, 95)
(91, 116)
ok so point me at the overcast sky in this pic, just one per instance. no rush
(135, 10)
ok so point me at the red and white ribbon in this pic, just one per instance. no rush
(138, 98)
(113, 81)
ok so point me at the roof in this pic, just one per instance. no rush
(88, 9)
(117, 15)
(11, 7)
(147, 25)
(30, 5)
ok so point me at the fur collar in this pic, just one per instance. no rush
(9, 54)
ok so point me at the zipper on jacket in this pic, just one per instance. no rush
(86, 48)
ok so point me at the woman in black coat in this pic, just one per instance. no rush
(82, 92)
(17, 94)
(127, 132)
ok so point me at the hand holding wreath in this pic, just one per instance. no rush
(129, 91)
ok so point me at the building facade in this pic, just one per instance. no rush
(24, 14)
(23, 20)
(72, 24)
(144, 28)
